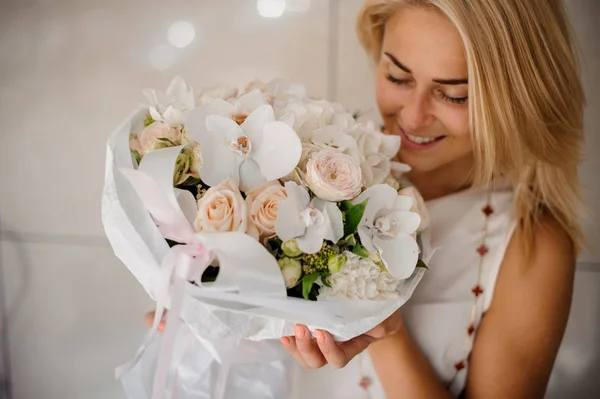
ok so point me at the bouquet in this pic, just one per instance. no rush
(239, 210)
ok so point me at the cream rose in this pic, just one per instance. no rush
(221, 209)
(262, 204)
(159, 135)
(333, 175)
(418, 206)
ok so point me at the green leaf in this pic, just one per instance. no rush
(324, 276)
(137, 156)
(353, 217)
(308, 282)
(422, 264)
(190, 181)
(345, 205)
(166, 140)
(360, 251)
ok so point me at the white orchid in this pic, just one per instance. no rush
(308, 221)
(235, 108)
(387, 226)
(170, 107)
(207, 94)
(258, 150)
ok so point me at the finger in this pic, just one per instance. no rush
(308, 348)
(339, 354)
(289, 344)
(149, 320)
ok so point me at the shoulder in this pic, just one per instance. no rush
(524, 325)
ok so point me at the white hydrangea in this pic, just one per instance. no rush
(359, 278)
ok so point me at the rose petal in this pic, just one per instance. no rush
(399, 254)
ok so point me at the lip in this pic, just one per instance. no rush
(406, 143)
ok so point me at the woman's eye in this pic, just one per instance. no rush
(397, 81)
(453, 100)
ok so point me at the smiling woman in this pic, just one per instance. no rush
(487, 99)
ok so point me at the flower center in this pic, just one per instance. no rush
(386, 225)
(311, 216)
(239, 118)
(242, 145)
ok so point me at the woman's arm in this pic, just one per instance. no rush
(518, 338)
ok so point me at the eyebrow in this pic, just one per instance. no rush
(451, 82)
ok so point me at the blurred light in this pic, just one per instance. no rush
(163, 57)
(181, 34)
(270, 8)
(297, 5)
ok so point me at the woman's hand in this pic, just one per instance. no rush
(315, 353)
(149, 320)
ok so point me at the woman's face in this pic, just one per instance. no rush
(422, 89)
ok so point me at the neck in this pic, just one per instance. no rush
(448, 179)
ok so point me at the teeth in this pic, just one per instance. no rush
(419, 140)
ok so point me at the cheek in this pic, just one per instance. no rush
(388, 98)
(457, 123)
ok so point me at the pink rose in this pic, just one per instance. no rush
(159, 135)
(262, 205)
(333, 175)
(221, 209)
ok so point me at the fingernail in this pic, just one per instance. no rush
(320, 336)
(299, 332)
(285, 340)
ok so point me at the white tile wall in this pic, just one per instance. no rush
(69, 71)
(74, 314)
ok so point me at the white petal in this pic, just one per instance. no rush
(300, 194)
(366, 238)
(381, 196)
(408, 222)
(173, 116)
(155, 114)
(251, 101)
(279, 152)
(219, 164)
(390, 145)
(255, 123)
(288, 224)
(399, 254)
(250, 176)
(312, 241)
(403, 203)
(224, 128)
(333, 229)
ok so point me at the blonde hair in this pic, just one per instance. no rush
(525, 99)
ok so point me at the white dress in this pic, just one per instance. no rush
(439, 313)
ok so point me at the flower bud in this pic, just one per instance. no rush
(335, 262)
(290, 248)
(291, 269)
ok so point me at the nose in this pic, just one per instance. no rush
(416, 114)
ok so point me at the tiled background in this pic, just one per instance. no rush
(70, 70)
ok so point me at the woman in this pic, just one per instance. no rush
(487, 99)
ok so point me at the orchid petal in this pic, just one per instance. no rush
(250, 176)
(333, 226)
(255, 123)
(251, 101)
(403, 203)
(288, 224)
(399, 254)
(390, 145)
(366, 238)
(312, 241)
(380, 196)
(280, 151)
(406, 222)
